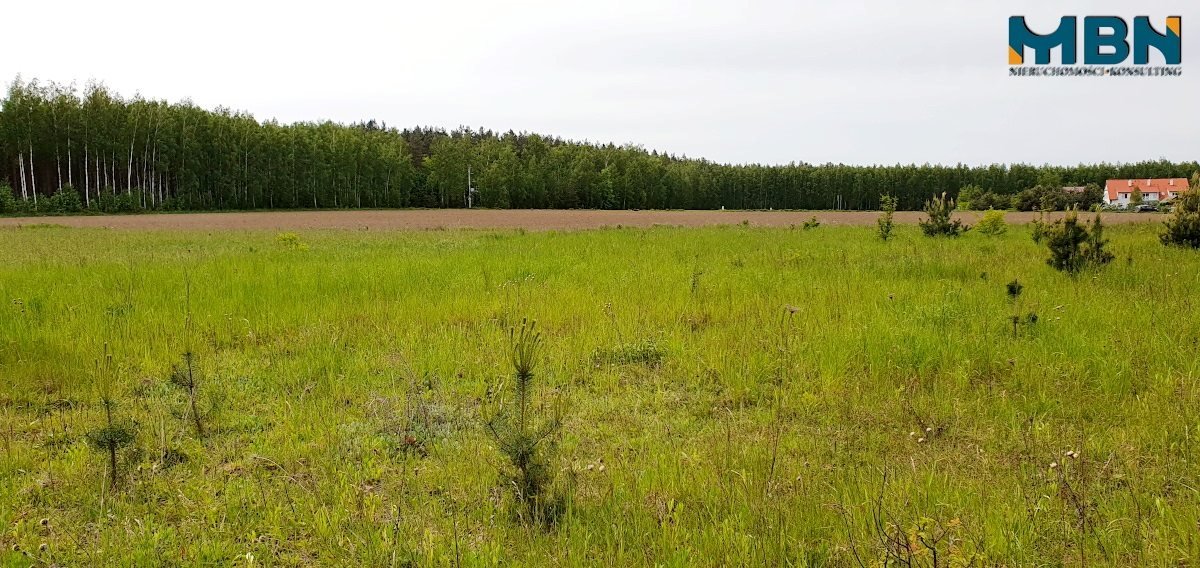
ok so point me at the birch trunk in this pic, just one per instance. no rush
(24, 191)
(87, 187)
(32, 174)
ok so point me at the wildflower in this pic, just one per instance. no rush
(921, 440)
(911, 434)
(928, 429)
(1053, 465)
(591, 466)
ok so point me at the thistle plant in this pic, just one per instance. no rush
(523, 438)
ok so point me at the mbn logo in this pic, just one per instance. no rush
(1104, 41)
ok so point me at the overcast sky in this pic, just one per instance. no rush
(769, 81)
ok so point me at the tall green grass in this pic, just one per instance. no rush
(780, 377)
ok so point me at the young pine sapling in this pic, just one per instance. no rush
(1073, 247)
(888, 204)
(113, 436)
(1183, 228)
(186, 375)
(939, 211)
(524, 439)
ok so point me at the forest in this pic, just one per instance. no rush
(68, 149)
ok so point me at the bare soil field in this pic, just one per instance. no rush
(541, 219)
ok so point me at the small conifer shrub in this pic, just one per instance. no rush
(940, 223)
(113, 436)
(1183, 228)
(526, 439)
(1074, 247)
(884, 223)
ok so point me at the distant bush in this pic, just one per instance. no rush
(1183, 228)
(107, 202)
(9, 203)
(991, 200)
(812, 223)
(65, 201)
(1073, 247)
(967, 196)
(974, 198)
(940, 209)
(888, 204)
(992, 224)
(1055, 198)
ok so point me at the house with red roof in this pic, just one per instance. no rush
(1117, 192)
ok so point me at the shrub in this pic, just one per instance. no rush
(991, 200)
(526, 441)
(1073, 247)
(65, 201)
(812, 223)
(1064, 238)
(1093, 251)
(1054, 198)
(992, 223)
(940, 209)
(110, 202)
(1136, 197)
(291, 241)
(9, 202)
(1091, 196)
(1040, 229)
(967, 196)
(888, 204)
(1041, 198)
(1183, 228)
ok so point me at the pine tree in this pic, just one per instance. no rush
(525, 439)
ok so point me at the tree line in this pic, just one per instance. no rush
(96, 150)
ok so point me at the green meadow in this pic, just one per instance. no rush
(728, 396)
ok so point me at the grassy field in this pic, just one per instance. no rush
(730, 396)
